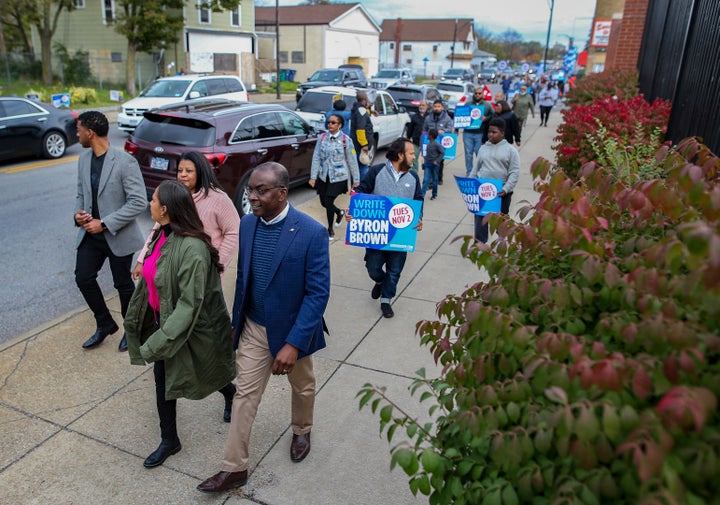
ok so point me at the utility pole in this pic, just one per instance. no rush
(547, 41)
(452, 49)
(277, 47)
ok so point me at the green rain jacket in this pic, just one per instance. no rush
(194, 334)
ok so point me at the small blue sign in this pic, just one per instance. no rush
(383, 222)
(481, 195)
(61, 100)
(447, 140)
(469, 116)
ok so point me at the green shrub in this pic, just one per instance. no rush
(621, 85)
(586, 370)
(83, 96)
(76, 68)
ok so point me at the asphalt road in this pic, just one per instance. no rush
(37, 282)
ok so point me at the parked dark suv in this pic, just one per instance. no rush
(347, 76)
(233, 136)
(410, 96)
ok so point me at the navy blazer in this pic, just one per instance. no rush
(298, 284)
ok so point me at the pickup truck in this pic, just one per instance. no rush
(389, 119)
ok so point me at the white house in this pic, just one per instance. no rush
(319, 36)
(428, 46)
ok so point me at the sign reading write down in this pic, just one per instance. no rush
(481, 196)
(383, 222)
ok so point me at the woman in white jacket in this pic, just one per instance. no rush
(546, 101)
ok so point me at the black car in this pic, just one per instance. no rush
(31, 128)
(233, 136)
(344, 76)
(412, 95)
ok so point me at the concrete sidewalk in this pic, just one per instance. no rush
(75, 426)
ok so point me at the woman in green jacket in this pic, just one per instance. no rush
(177, 316)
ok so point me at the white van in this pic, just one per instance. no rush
(167, 90)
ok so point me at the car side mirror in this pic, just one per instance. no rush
(401, 109)
(194, 94)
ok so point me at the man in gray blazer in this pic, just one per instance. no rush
(110, 196)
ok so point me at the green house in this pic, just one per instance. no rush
(220, 42)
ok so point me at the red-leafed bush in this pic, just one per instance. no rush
(586, 369)
(633, 123)
(622, 85)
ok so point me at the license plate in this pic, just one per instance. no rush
(159, 163)
(318, 125)
(446, 97)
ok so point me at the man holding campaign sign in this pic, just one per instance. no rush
(498, 160)
(387, 223)
(473, 118)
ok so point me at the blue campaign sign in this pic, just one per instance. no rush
(469, 116)
(383, 222)
(61, 100)
(480, 195)
(447, 140)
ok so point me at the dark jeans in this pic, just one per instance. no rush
(430, 177)
(440, 171)
(91, 255)
(167, 409)
(393, 261)
(481, 230)
(545, 113)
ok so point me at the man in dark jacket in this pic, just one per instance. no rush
(441, 121)
(362, 129)
(415, 129)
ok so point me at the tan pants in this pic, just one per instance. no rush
(254, 366)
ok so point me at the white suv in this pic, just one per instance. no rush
(392, 77)
(167, 90)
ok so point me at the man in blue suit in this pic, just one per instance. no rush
(283, 286)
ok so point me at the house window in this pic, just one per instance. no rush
(204, 12)
(392, 45)
(298, 56)
(466, 46)
(235, 18)
(116, 57)
(108, 11)
(283, 56)
(435, 48)
(79, 4)
(407, 47)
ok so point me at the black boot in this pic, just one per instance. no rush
(228, 392)
(166, 449)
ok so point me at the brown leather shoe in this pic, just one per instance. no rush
(300, 447)
(223, 481)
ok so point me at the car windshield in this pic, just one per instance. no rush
(326, 75)
(388, 74)
(321, 102)
(401, 95)
(446, 86)
(172, 89)
(178, 131)
(454, 71)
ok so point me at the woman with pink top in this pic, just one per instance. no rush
(220, 220)
(177, 317)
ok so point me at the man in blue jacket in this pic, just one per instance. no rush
(283, 287)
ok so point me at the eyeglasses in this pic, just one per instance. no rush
(260, 191)
(478, 94)
(333, 122)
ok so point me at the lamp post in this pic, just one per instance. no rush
(277, 48)
(452, 53)
(547, 41)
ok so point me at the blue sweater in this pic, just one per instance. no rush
(263, 249)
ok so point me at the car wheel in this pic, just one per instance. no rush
(241, 201)
(54, 145)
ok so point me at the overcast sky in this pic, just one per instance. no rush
(528, 17)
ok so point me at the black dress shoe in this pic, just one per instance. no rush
(387, 310)
(122, 346)
(99, 336)
(166, 449)
(300, 447)
(376, 291)
(223, 481)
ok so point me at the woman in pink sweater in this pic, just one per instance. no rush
(220, 220)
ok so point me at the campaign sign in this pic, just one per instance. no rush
(469, 116)
(447, 140)
(61, 100)
(480, 195)
(383, 222)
